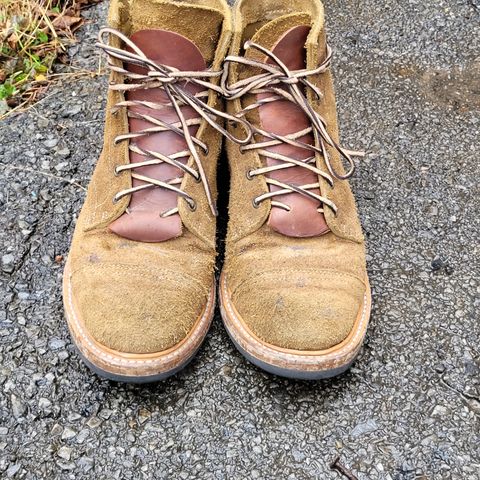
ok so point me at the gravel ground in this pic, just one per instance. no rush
(407, 76)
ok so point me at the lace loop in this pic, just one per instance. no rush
(280, 83)
(171, 81)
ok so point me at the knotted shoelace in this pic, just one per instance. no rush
(280, 83)
(172, 81)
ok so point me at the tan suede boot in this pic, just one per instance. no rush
(294, 290)
(139, 281)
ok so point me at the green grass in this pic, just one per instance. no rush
(33, 34)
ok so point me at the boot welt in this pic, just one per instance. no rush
(299, 364)
(132, 367)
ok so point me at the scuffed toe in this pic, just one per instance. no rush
(300, 311)
(133, 309)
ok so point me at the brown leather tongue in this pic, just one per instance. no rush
(283, 117)
(142, 221)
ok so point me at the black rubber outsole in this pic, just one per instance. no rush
(287, 372)
(134, 378)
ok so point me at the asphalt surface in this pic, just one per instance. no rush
(407, 77)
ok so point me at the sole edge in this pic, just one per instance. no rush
(117, 368)
(318, 373)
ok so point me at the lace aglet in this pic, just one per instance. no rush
(356, 153)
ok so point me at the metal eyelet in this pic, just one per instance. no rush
(255, 203)
(192, 205)
(116, 172)
(248, 174)
(115, 200)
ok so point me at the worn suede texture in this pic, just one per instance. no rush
(302, 294)
(145, 297)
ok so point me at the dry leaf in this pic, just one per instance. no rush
(10, 66)
(12, 41)
(86, 3)
(63, 58)
(73, 11)
(67, 22)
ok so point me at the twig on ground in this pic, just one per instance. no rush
(23, 107)
(336, 465)
(78, 72)
(46, 174)
(31, 102)
(466, 396)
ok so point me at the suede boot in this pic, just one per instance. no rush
(139, 289)
(294, 289)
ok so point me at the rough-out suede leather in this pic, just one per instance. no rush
(139, 297)
(296, 293)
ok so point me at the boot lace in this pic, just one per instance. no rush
(172, 81)
(280, 83)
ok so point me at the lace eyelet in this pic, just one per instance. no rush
(255, 203)
(192, 205)
(115, 200)
(248, 174)
(116, 172)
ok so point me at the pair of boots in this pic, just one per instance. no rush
(139, 283)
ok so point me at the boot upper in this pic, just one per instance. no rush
(292, 292)
(145, 296)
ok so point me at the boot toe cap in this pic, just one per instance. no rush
(134, 309)
(307, 312)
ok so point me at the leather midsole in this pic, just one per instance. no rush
(132, 364)
(328, 358)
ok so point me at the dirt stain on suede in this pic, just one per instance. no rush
(300, 283)
(94, 258)
(279, 303)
